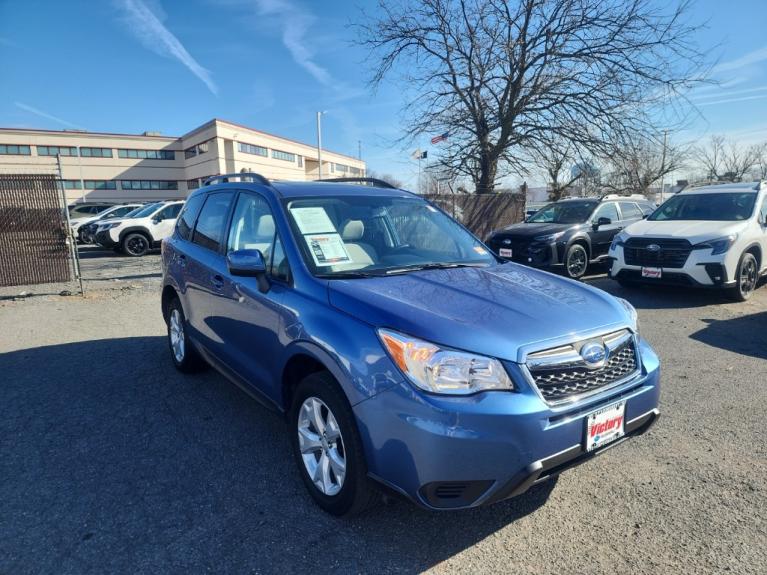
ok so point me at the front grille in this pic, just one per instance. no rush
(567, 375)
(672, 253)
(519, 247)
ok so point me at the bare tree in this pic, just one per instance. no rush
(388, 178)
(503, 76)
(639, 162)
(760, 165)
(438, 178)
(724, 159)
(557, 162)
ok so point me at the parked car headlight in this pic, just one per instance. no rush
(105, 227)
(619, 240)
(632, 312)
(718, 245)
(548, 238)
(445, 371)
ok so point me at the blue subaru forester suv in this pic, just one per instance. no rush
(402, 352)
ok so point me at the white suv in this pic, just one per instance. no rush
(136, 235)
(711, 236)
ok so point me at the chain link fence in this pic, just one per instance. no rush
(34, 245)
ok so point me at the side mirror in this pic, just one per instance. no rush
(157, 219)
(602, 222)
(248, 263)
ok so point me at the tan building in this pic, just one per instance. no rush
(123, 167)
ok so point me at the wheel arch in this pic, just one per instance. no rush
(306, 358)
(137, 229)
(583, 240)
(756, 250)
(169, 293)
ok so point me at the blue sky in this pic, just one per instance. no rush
(136, 65)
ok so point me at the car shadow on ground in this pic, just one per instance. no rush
(114, 462)
(744, 335)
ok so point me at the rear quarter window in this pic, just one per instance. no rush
(210, 229)
(188, 215)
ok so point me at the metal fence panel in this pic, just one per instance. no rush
(33, 238)
(482, 213)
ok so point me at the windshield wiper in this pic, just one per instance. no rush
(347, 275)
(433, 266)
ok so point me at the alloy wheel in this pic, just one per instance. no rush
(747, 281)
(136, 245)
(576, 263)
(176, 334)
(322, 446)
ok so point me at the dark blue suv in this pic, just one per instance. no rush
(401, 350)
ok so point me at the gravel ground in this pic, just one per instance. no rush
(112, 462)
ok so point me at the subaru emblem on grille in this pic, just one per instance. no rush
(507, 241)
(653, 248)
(594, 354)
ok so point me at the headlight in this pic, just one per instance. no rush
(619, 240)
(105, 227)
(440, 370)
(632, 312)
(549, 237)
(718, 245)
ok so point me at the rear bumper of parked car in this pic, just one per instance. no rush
(457, 452)
(700, 270)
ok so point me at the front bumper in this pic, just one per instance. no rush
(534, 254)
(104, 238)
(456, 452)
(700, 270)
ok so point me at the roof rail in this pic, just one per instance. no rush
(237, 176)
(375, 181)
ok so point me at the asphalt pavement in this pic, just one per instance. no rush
(112, 462)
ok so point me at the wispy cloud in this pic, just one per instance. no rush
(294, 22)
(732, 100)
(720, 95)
(46, 115)
(152, 33)
(759, 55)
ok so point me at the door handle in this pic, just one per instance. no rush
(217, 281)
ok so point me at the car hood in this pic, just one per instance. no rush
(530, 230)
(494, 311)
(693, 230)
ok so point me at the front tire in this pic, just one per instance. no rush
(746, 278)
(576, 261)
(135, 245)
(185, 357)
(327, 447)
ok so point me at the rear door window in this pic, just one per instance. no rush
(630, 211)
(211, 224)
(188, 215)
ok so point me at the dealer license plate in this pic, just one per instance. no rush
(652, 273)
(505, 252)
(605, 426)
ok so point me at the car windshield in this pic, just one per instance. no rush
(143, 212)
(358, 236)
(712, 206)
(563, 213)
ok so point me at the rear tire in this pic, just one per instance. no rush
(185, 357)
(576, 261)
(746, 278)
(329, 453)
(135, 245)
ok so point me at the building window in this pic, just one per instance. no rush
(72, 184)
(96, 152)
(100, 184)
(149, 184)
(287, 156)
(342, 168)
(252, 149)
(146, 154)
(300, 161)
(355, 171)
(197, 150)
(14, 150)
(192, 184)
(56, 151)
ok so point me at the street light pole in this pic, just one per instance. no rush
(319, 143)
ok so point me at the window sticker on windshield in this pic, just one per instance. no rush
(312, 220)
(480, 250)
(327, 249)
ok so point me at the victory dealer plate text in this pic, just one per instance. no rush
(605, 426)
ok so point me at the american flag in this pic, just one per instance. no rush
(438, 139)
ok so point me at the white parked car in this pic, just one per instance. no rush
(710, 236)
(79, 226)
(136, 235)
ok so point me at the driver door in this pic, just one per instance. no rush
(602, 235)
